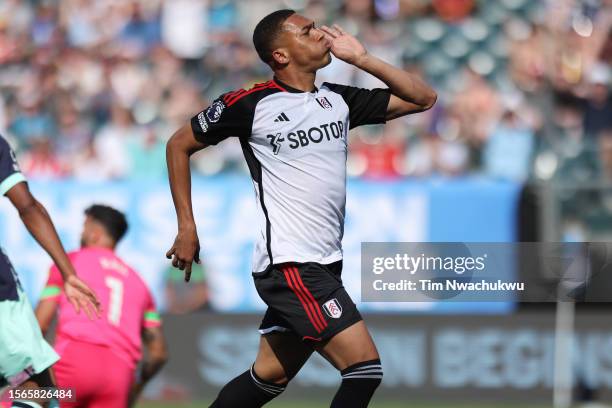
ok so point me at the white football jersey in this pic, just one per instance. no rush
(295, 144)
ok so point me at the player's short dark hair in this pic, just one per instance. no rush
(114, 221)
(267, 30)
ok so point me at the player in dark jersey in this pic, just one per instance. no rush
(24, 355)
(294, 139)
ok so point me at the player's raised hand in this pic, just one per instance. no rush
(185, 251)
(82, 297)
(343, 45)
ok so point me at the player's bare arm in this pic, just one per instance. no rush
(156, 355)
(45, 313)
(409, 93)
(39, 224)
(186, 247)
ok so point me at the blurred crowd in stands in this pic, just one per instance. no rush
(93, 89)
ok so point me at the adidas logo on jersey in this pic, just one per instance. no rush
(302, 138)
(282, 118)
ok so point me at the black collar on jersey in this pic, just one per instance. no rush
(290, 88)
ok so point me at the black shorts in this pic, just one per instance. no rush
(307, 299)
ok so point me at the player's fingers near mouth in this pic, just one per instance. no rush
(339, 29)
(333, 31)
(328, 31)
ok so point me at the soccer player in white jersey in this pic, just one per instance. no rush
(294, 139)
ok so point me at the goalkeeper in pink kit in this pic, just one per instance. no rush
(98, 358)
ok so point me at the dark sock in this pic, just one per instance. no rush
(359, 382)
(25, 404)
(247, 391)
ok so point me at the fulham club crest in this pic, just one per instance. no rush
(325, 103)
(333, 309)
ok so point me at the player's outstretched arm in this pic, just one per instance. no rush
(39, 224)
(156, 355)
(409, 93)
(186, 247)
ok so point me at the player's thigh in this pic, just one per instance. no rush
(94, 373)
(281, 356)
(69, 376)
(350, 346)
(115, 400)
(79, 370)
(115, 392)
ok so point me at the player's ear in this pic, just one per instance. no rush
(96, 233)
(280, 56)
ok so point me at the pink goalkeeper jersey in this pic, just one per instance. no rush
(127, 305)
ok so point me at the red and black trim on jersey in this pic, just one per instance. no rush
(233, 97)
(232, 113)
